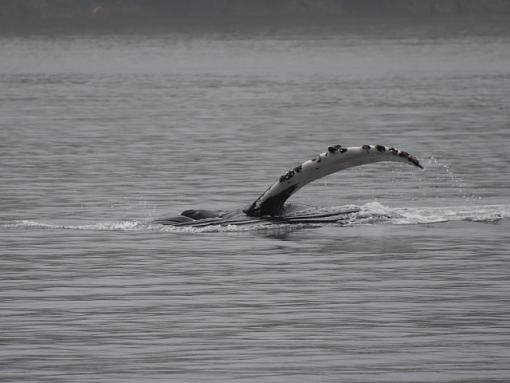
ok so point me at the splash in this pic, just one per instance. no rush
(487, 214)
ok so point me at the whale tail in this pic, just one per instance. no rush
(335, 159)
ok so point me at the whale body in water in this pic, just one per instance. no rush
(270, 204)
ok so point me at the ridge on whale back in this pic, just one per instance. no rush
(270, 204)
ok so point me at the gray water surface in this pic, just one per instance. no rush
(102, 132)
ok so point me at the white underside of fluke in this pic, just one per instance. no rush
(333, 160)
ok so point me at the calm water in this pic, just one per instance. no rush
(102, 132)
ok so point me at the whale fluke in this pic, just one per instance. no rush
(336, 158)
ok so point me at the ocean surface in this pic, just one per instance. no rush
(103, 131)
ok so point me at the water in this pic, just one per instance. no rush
(102, 132)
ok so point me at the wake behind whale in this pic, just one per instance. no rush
(270, 205)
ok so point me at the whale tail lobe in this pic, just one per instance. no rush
(335, 159)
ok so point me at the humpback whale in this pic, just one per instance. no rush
(270, 204)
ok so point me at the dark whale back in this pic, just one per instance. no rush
(200, 213)
(189, 216)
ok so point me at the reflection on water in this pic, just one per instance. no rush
(100, 134)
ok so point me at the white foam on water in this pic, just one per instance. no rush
(99, 226)
(425, 215)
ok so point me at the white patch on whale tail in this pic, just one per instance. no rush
(335, 159)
